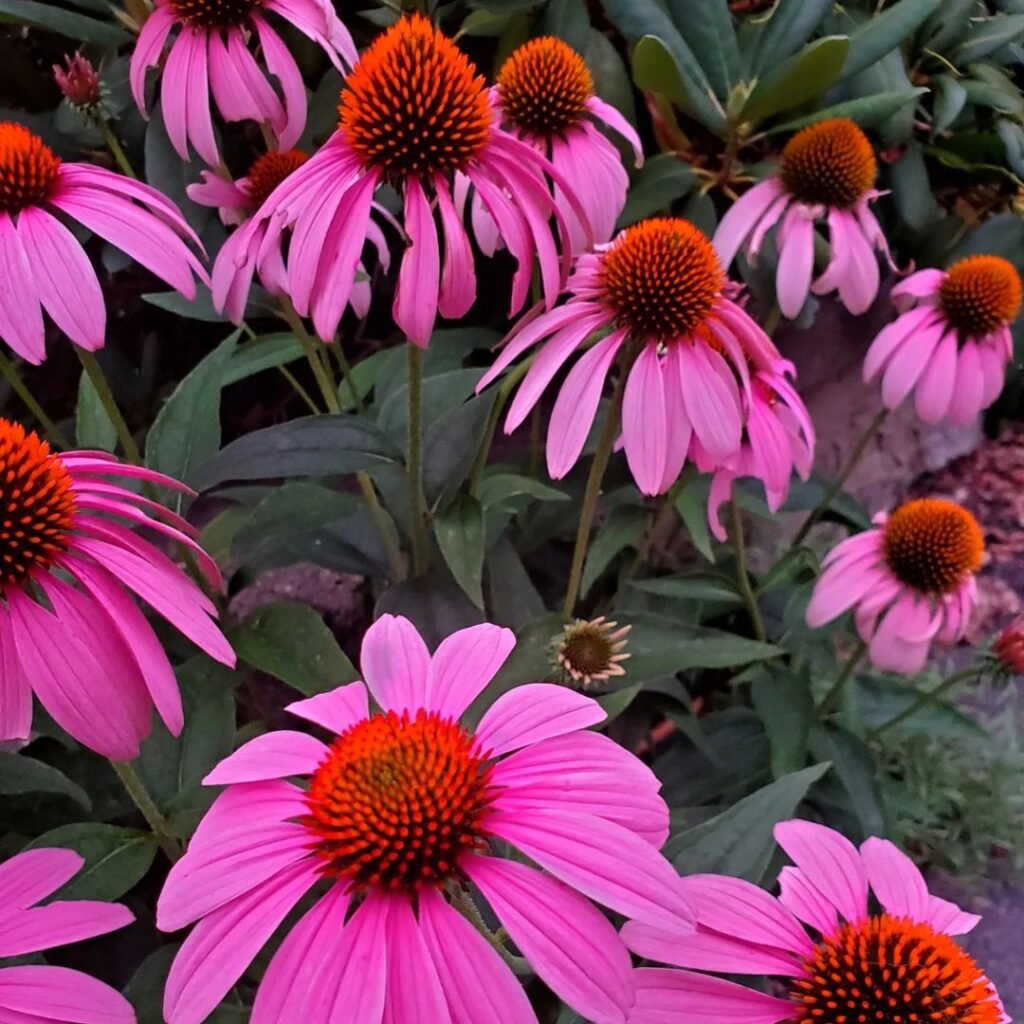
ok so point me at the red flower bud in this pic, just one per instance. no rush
(79, 82)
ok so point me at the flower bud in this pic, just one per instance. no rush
(79, 82)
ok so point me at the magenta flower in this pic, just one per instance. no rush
(211, 56)
(37, 993)
(69, 631)
(659, 288)
(545, 96)
(402, 810)
(828, 171)
(43, 265)
(415, 115)
(837, 959)
(910, 581)
(952, 340)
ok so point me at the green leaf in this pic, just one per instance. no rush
(788, 26)
(950, 97)
(186, 432)
(308, 446)
(868, 112)
(512, 597)
(441, 393)
(912, 191)
(662, 180)
(695, 586)
(795, 562)
(76, 27)
(93, 427)
(200, 308)
(880, 699)
(949, 24)
(611, 79)
(451, 446)
(498, 488)
(707, 28)
(988, 36)
(145, 988)
(115, 858)
(880, 34)
(783, 700)
(856, 772)
(798, 79)
(264, 353)
(460, 536)
(567, 20)
(290, 640)
(739, 841)
(168, 173)
(692, 506)
(21, 774)
(623, 529)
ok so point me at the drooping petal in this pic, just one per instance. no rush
(644, 423)
(21, 316)
(796, 261)
(458, 275)
(419, 276)
(414, 988)
(742, 217)
(15, 692)
(148, 48)
(935, 388)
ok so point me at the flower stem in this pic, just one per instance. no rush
(835, 694)
(349, 377)
(742, 575)
(144, 802)
(99, 381)
(468, 909)
(114, 146)
(925, 699)
(844, 474)
(417, 511)
(592, 493)
(10, 370)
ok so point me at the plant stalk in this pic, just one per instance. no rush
(417, 504)
(10, 371)
(144, 802)
(99, 381)
(742, 575)
(835, 694)
(925, 699)
(116, 150)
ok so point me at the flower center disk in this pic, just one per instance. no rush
(829, 163)
(888, 970)
(980, 294)
(932, 545)
(214, 13)
(399, 800)
(414, 104)
(661, 278)
(544, 87)
(269, 170)
(28, 168)
(37, 505)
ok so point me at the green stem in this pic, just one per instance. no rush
(417, 511)
(772, 320)
(742, 575)
(602, 456)
(844, 474)
(299, 389)
(114, 146)
(99, 381)
(835, 694)
(468, 909)
(927, 698)
(348, 376)
(144, 802)
(10, 370)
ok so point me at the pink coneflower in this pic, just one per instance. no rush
(952, 340)
(403, 810)
(778, 440)
(910, 581)
(211, 56)
(69, 631)
(415, 115)
(545, 96)
(37, 993)
(828, 171)
(43, 265)
(660, 289)
(839, 958)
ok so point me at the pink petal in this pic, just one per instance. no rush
(419, 276)
(907, 364)
(712, 399)
(858, 286)
(51, 995)
(414, 989)
(567, 941)
(678, 429)
(935, 388)
(644, 424)
(197, 100)
(804, 900)
(902, 331)
(968, 391)
(796, 261)
(611, 117)
(249, 806)
(924, 284)
(463, 665)
(395, 663)
(458, 275)
(59, 924)
(535, 712)
(271, 756)
(31, 876)
(148, 48)
(838, 589)
(895, 879)
(679, 997)
(742, 217)
(949, 918)
(238, 86)
(281, 64)
(15, 692)
(337, 711)
(21, 316)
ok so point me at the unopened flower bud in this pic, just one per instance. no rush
(1008, 649)
(79, 82)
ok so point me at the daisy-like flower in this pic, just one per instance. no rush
(828, 171)
(415, 115)
(210, 55)
(545, 96)
(239, 199)
(43, 265)
(38, 993)
(661, 291)
(952, 340)
(402, 811)
(910, 581)
(69, 631)
(839, 955)
(591, 652)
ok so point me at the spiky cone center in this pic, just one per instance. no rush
(269, 170)
(830, 163)
(414, 104)
(932, 545)
(212, 14)
(591, 652)
(37, 504)
(398, 801)
(889, 970)
(980, 294)
(28, 168)
(660, 279)
(544, 87)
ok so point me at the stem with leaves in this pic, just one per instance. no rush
(925, 699)
(144, 802)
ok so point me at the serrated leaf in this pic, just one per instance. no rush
(22, 774)
(882, 33)
(798, 79)
(662, 180)
(460, 536)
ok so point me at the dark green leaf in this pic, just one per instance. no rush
(309, 446)
(263, 353)
(460, 536)
(880, 34)
(497, 489)
(692, 587)
(950, 97)
(200, 308)
(168, 173)
(798, 79)
(868, 112)
(22, 774)
(692, 506)
(856, 771)
(93, 427)
(784, 702)
(880, 700)
(115, 858)
(987, 36)
(795, 562)
(623, 529)
(912, 190)
(662, 180)
(291, 641)
(76, 27)
(451, 446)
(512, 599)
(441, 393)
(949, 24)
(568, 21)
(145, 989)
(787, 28)
(611, 79)
(707, 28)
